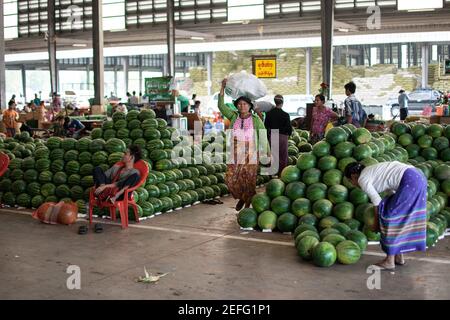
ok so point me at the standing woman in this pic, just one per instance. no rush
(401, 217)
(321, 116)
(248, 135)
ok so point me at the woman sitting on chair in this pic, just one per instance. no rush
(117, 178)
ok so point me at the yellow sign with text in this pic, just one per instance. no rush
(265, 66)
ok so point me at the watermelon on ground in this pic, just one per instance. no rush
(280, 205)
(324, 254)
(322, 208)
(290, 174)
(305, 247)
(261, 202)
(267, 220)
(287, 222)
(248, 218)
(275, 188)
(295, 190)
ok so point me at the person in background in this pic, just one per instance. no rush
(161, 112)
(13, 98)
(122, 108)
(73, 127)
(128, 98)
(25, 128)
(58, 126)
(36, 100)
(277, 119)
(321, 116)
(354, 111)
(141, 98)
(401, 217)
(75, 112)
(184, 103)
(197, 107)
(119, 177)
(28, 108)
(403, 100)
(10, 117)
(134, 99)
(249, 137)
(56, 104)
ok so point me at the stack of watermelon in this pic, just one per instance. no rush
(314, 199)
(61, 169)
(298, 143)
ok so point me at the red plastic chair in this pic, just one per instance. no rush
(4, 163)
(122, 205)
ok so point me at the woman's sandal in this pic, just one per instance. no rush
(98, 228)
(83, 230)
(383, 268)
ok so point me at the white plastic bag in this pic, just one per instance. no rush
(245, 84)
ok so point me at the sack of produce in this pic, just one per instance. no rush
(245, 84)
(57, 213)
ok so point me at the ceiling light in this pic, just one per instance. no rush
(343, 30)
(421, 10)
(197, 38)
(237, 22)
(79, 45)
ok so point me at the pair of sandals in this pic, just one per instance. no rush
(396, 262)
(98, 228)
(213, 201)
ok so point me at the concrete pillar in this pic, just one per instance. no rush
(415, 54)
(391, 56)
(425, 63)
(51, 39)
(400, 56)
(382, 56)
(88, 75)
(115, 80)
(97, 42)
(126, 65)
(2, 61)
(24, 82)
(308, 57)
(140, 74)
(171, 38)
(327, 29)
(209, 71)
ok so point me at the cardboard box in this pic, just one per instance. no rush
(98, 109)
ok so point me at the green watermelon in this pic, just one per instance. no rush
(301, 207)
(316, 192)
(361, 136)
(425, 141)
(290, 174)
(311, 176)
(327, 163)
(302, 228)
(333, 238)
(359, 238)
(321, 149)
(322, 208)
(295, 190)
(18, 187)
(275, 188)
(348, 252)
(362, 152)
(72, 167)
(357, 197)
(261, 202)
(336, 135)
(418, 130)
(344, 211)
(267, 220)
(308, 219)
(442, 172)
(344, 150)
(305, 247)
(324, 254)
(327, 231)
(306, 161)
(280, 205)
(307, 233)
(328, 222)
(435, 130)
(287, 222)
(115, 145)
(30, 175)
(332, 177)
(343, 163)
(429, 153)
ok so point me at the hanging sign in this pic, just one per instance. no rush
(159, 89)
(265, 66)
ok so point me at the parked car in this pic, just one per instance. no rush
(418, 100)
(295, 105)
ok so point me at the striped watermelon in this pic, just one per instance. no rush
(97, 133)
(136, 134)
(45, 176)
(152, 134)
(68, 144)
(59, 178)
(77, 192)
(71, 155)
(99, 157)
(34, 188)
(28, 163)
(132, 115)
(117, 116)
(74, 180)
(41, 165)
(62, 191)
(23, 200)
(155, 145)
(48, 189)
(72, 167)
(36, 201)
(115, 145)
(41, 153)
(109, 134)
(122, 133)
(149, 124)
(147, 114)
(54, 143)
(83, 144)
(134, 124)
(57, 166)
(348, 252)
(115, 157)
(85, 157)
(86, 169)
(87, 181)
(97, 145)
(56, 154)
(107, 125)
(18, 186)
(120, 124)
(30, 175)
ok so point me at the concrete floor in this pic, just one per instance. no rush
(205, 255)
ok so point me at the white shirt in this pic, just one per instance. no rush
(385, 176)
(134, 100)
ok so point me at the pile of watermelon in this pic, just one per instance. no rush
(298, 143)
(315, 202)
(181, 173)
